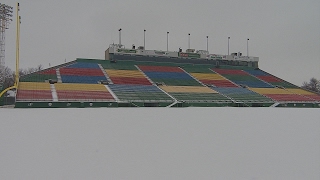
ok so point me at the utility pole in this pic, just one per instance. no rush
(144, 39)
(189, 41)
(120, 38)
(248, 47)
(167, 40)
(228, 45)
(207, 43)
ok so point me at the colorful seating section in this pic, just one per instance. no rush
(281, 95)
(239, 94)
(171, 76)
(88, 73)
(241, 77)
(270, 78)
(82, 92)
(194, 93)
(34, 91)
(135, 81)
(127, 77)
(139, 93)
(213, 79)
(305, 93)
(41, 76)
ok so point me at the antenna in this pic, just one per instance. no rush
(5, 18)
(120, 38)
(189, 41)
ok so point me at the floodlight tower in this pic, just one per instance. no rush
(5, 18)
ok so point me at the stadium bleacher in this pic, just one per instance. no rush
(281, 95)
(171, 76)
(135, 83)
(127, 77)
(195, 94)
(34, 91)
(82, 92)
(243, 95)
(88, 73)
(40, 76)
(139, 93)
(274, 81)
(243, 78)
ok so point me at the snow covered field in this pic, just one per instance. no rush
(160, 143)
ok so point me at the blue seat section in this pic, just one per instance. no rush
(167, 75)
(254, 84)
(256, 72)
(82, 79)
(84, 65)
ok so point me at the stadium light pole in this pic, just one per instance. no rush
(189, 41)
(248, 47)
(207, 43)
(228, 45)
(144, 39)
(167, 40)
(120, 37)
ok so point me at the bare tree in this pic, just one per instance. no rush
(313, 85)
(10, 75)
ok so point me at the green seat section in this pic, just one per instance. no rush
(206, 97)
(243, 95)
(139, 93)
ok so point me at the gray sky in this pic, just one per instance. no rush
(176, 143)
(285, 34)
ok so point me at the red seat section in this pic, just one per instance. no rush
(269, 78)
(288, 97)
(130, 80)
(49, 71)
(160, 69)
(81, 72)
(315, 97)
(34, 95)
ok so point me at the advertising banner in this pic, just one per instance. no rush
(189, 55)
(215, 56)
(127, 51)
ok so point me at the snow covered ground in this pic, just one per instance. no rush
(160, 143)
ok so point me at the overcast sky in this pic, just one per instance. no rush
(285, 34)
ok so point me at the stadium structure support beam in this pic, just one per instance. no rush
(16, 83)
(9, 88)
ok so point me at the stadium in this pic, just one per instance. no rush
(150, 78)
(137, 77)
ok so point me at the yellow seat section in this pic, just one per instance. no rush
(80, 87)
(124, 73)
(207, 76)
(300, 91)
(187, 89)
(34, 86)
(270, 91)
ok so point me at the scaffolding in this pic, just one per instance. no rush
(5, 18)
